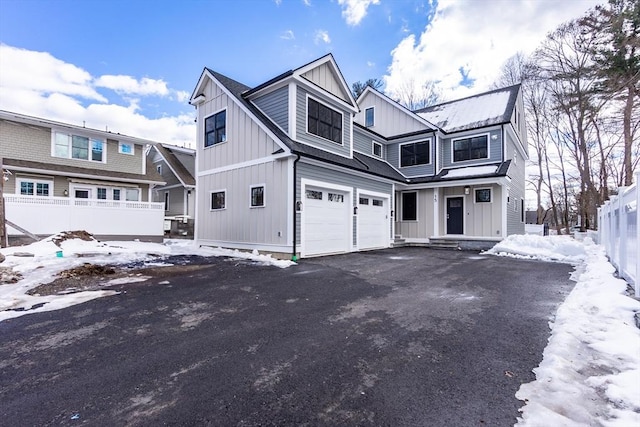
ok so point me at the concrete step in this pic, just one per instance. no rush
(443, 244)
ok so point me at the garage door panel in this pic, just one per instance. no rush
(326, 221)
(373, 222)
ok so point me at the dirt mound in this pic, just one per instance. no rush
(68, 235)
(87, 269)
(7, 275)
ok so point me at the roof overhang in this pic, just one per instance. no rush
(42, 171)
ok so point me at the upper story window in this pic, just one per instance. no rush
(476, 147)
(125, 148)
(414, 153)
(324, 121)
(215, 129)
(369, 117)
(78, 147)
(377, 149)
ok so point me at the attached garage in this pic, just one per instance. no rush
(373, 226)
(325, 220)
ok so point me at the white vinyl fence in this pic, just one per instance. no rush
(50, 215)
(618, 232)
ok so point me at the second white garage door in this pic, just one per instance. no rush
(326, 221)
(373, 222)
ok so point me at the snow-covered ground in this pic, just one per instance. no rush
(45, 264)
(590, 372)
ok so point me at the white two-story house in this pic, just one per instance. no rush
(296, 166)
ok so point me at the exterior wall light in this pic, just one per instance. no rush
(467, 189)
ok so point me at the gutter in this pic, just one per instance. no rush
(294, 257)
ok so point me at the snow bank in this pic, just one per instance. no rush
(590, 372)
(46, 264)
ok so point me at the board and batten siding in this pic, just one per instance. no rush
(363, 143)
(33, 143)
(480, 219)
(422, 228)
(239, 222)
(302, 135)
(495, 149)
(336, 177)
(276, 106)
(324, 77)
(516, 172)
(393, 157)
(246, 139)
(389, 119)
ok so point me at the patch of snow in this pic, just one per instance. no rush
(45, 265)
(124, 280)
(590, 372)
(471, 171)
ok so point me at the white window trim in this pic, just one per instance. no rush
(93, 192)
(221, 190)
(483, 188)
(373, 146)
(306, 121)
(20, 180)
(402, 207)
(133, 148)
(414, 142)
(487, 134)
(204, 130)
(70, 146)
(264, 196)
(374, 116)
(159, 168)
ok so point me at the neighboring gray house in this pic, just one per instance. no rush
(176, 165)
(296, 166)
(63, 177)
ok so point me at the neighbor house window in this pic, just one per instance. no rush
(483, 195)
(102, 193)
(476, 147)
(78, 147)
(125, 148)
(28, 187)
(132, 194)
(159, 169)
(368, 117)
(522, 212)
(416, 153)
(166, 200)
(324, 121)
(377, 149)
(215, 129)
(409, 206)
(218, 200)
(116, 194)
(257, 196)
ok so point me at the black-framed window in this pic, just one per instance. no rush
(476, 147)
(409, 206)
(218, 200)
(413, 154)
(101, 193)
(324, 121)
(483, 195)
(215, 129)
(377, 149)
(369, 117)
(363, 201)
(257, 196)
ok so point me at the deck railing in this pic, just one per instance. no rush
(618, 232)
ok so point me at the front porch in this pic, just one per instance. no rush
(105, 219)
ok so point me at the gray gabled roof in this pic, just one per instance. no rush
(486, 109)
(181, 162)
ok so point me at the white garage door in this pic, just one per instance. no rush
(373, 222)
(326, 221)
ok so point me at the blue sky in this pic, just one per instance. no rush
(129, 66)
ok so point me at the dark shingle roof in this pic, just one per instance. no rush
(176, 162)
(486, 109)
(54, 169)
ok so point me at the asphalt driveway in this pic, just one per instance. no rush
(400, 337)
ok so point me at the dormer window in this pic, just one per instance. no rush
(324, 121)
(369, 117)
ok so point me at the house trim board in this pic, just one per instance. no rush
(81, 175)
(289, 209)
(242, 165)
(269, 247)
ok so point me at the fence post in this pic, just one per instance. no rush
(636, 280)
(622, 247)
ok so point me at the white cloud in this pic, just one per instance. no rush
(288, 35)
(306, 2)
(40, 85)
(354, 11)
(322, 36)
(129, 85)
(475, 37)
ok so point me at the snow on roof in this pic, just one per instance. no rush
(472, 171)
(481, 110)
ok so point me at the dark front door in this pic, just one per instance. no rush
(455, 215)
